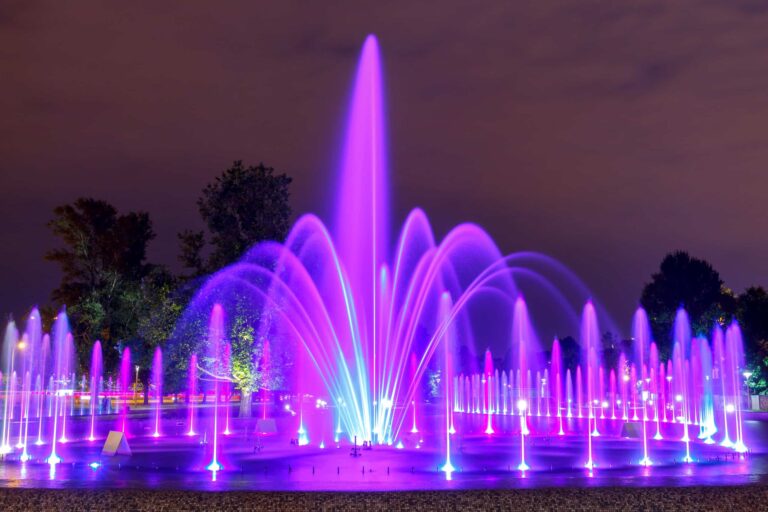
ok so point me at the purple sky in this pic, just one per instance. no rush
(602, 133)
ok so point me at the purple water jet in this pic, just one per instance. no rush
(96, 369)
(124, 391)
(191, 394)
(157, 383)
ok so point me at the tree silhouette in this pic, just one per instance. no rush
(243, 206)
(683, 281)
(753, 318)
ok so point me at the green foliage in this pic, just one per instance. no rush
(753, 318)
(247, 338)
(103, 264)
(693, 284)
(164, 299)
(186, 337)
(241, 207)
(114, 295)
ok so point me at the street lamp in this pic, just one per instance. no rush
(21, 345)
(747, 374)
(135, 384)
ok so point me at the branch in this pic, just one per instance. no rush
(217, 377)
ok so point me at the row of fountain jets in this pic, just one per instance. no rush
(700, 388)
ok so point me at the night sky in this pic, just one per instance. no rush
(602, 133)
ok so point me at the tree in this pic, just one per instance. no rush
(612, 349)
(103, 263)
(243, 206)
(163, 299)
(753, 319)
(240, 208)
(683, 281)
(246, 338)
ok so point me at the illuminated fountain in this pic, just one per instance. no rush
(375, 330)
(366, 318)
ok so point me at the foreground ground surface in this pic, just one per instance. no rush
(746, 497)
(176, 461)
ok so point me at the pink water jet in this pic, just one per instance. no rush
(157, 383)
(96, 370)
(191, 394)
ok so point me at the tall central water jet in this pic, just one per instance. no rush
(362, 244)
(355, 310)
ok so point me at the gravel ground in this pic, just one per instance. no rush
(748, 497)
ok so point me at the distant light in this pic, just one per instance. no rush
(730, 408)
(94, 465)
(522, 405)
(678, 398)
(747, 374)
(605, 404)
(626, 378)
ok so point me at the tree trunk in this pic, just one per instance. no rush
(245, 403)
